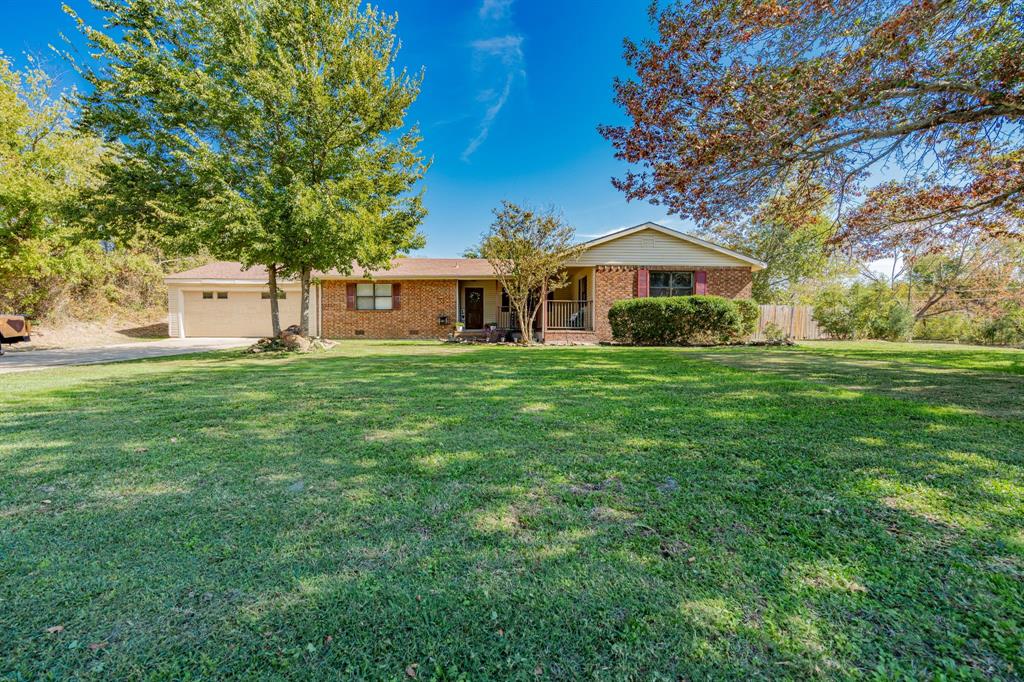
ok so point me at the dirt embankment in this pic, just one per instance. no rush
(70, 333)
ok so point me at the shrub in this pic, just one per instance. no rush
(946, 327)
(834, 312)
(863, 311)
(1006, 330)
(750, 312)
(773, 333)
(82, 281)
(892, 321)
(680, 320)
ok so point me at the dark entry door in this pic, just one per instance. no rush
(474, 308)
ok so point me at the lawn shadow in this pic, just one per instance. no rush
(981, 391)
(494, 512)
(157, 330)
(996, 359)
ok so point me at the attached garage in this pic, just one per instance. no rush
(226, 308)
(234, 312)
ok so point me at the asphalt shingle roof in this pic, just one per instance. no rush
(410, 268)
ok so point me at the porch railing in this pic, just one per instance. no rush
(507, 318)
(571, 315)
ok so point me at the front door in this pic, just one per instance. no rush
(474, 308)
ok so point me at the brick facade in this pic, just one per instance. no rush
(730, 282)
(611, 283)
(617, 282)
(422, 301)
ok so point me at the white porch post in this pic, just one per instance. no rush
(543, 312)
(458, 304)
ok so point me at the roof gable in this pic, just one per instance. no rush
(654, 244)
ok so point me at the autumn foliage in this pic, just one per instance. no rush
(735, 100)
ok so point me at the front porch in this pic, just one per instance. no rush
(571, 308)
(566, 316)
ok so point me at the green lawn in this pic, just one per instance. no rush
(954, 356)
(388, 510)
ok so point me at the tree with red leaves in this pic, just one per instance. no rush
(736, 100)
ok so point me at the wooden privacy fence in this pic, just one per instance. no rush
(795, 321)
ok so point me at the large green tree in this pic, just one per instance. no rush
(45, 166)
(790, 241)
(270, 132)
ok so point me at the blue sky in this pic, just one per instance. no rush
(512, 95)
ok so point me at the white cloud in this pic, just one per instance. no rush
(507, 48)
(495, 9)
(488, 119)
(499, 57)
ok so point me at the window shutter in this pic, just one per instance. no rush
(643, 283)
(700, 282)
(350, 296)
(396, 296)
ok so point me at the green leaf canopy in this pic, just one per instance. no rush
(269, 132)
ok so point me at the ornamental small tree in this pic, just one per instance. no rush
(528, 250)
(269, 132)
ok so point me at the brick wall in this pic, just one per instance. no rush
(422, 302)
(730, 282)
(611, 283)
(617, 282)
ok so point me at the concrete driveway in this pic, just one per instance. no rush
(23, 361)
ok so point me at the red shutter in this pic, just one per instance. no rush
(643, 283)
(396, 296)
(350, 296)
(700, 282)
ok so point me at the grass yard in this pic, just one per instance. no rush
(391, 511)
(953, 356)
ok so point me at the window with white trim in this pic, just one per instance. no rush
(664, 283)
(373, 297)
(280, 295)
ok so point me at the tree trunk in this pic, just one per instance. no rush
(304, 306)
(525, 321)
(528, 336)
(275, 313)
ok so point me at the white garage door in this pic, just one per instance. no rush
(235, 313)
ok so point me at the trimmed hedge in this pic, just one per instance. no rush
(682, 320)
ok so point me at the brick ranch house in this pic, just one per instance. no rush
(422, 298)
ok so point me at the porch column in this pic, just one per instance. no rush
(458, 304)
(497, 303)
(543, 312)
